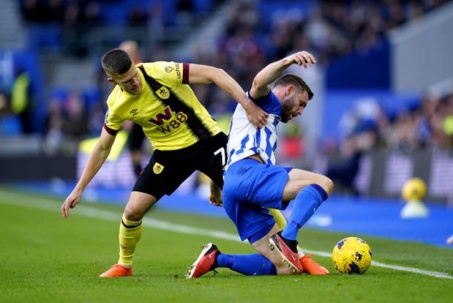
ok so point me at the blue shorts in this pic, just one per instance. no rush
(250, 188)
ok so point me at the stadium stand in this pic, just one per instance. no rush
(351, 40)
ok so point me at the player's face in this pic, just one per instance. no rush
(129, 81)
(293, 105)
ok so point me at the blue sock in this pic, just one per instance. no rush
(249, 265)
(306, 203)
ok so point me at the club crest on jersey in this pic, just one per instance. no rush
(163, 92)
(158, 168)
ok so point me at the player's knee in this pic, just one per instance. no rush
(326, 184)
(138, 205)
(133, 214)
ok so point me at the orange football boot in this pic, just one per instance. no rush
(311, 267)
(117, 271)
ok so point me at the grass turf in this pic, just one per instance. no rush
(45, 258)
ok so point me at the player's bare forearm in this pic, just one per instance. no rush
(209, 74)
(97, 158)
(95, 162)
(261, 82)
(255, 114)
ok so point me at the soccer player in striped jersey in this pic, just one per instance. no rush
(183, 135)
(255, 186)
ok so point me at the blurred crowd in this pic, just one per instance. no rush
(368, 127)
(67, 25)
(89, 12)
(330, 30)
(60, 11)
(255, 35)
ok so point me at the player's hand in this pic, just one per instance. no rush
(255, 114)
(302, 58)
(215, 198)
(71, 201)
(216, 201)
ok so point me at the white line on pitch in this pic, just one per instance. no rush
(92, 212)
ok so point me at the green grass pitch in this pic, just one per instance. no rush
(44, 258)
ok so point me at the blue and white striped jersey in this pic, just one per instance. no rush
(246, 140)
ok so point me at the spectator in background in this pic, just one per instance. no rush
(72, 35)
(136, 134)
(405, 133)
(361, 134)
(66, 122)
(447, 126)
(344, 171)
(137, 16)
(22, 100)
(54, 138)
(185, 12)
(90, 15)
(55, 11)
(75, 119)
(80, 18)
(33, 11)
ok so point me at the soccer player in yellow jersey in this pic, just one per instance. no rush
(183, 135)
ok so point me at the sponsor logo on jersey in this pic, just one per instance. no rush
(168, 69)
(134, 111)
(178, 71)
(161, 117)
(158, 168)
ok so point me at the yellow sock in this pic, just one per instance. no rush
(278, 216)
(130, 233)
(281, 222)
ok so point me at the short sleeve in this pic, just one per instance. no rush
(112, 123)
(171, 74)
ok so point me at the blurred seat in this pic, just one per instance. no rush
(10, 125)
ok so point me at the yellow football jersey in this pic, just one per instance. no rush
(171, 115)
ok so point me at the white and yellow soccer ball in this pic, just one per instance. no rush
(352, 255)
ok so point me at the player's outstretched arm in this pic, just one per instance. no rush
(97, 158)
(270, 73)
(208, 74)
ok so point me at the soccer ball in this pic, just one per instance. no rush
(352, 255)
(414, 189)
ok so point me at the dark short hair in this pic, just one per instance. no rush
(297, 82)
(116, 62)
